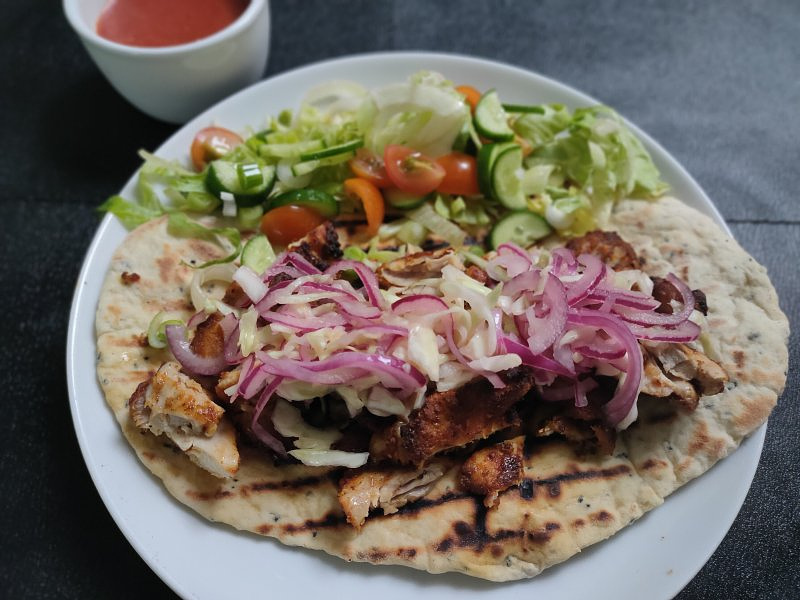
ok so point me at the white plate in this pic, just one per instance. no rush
(653, 558)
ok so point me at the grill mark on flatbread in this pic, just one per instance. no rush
(291, 484)
(217, 494)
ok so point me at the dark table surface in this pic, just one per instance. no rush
(717, 83)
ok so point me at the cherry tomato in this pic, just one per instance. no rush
(460, 174)
(371, 199)
(412, 171)
(211, 143)
(370, 167)
(286, 224)
(471, 95)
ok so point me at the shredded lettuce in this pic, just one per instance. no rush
(131, 214)
(425, 112)
(464, 211)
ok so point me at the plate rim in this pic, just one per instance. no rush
(756, 438)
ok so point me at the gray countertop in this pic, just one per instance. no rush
(716, 83)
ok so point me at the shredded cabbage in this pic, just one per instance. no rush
(425, 113)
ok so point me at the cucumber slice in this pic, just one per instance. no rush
(332, 150)
(258, 254)
(521, 227)
(322, 202)
(224, 176)
(402, 200)
(491, 120)
(506, 178)
(487, 155)
(291, 150)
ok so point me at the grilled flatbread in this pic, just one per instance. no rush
(565, 502)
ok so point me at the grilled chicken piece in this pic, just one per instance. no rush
(680, 371)
(217, 454)
(665, 292)
(389, 489)
(173, 401)
(493, 469)
(453, 419)
(209, 338)
(609, 247)
(226, 380)
(591, 435)
(320, 246)
(174, 404)
(411, 268)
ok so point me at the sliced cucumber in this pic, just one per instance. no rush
(521, 227)
(491, 120)
(322, 202)
(291, 150)
(250, 184)
(487, 155)
(332, 150)
(402, 200)
(258, 254)
(506, 178)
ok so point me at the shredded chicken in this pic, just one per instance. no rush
(493, 469)
(609, 247)
(385, 488)
(411, 268)
(173, 404)
(320, 246)
(590, 434)
(453, 419)
(209, 338)
(681, 371)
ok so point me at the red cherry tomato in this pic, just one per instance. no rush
(412, 171)
(460, 174)
(370, 167)
(286, 224)
(212, 143)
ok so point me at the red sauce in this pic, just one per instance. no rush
(154, 23)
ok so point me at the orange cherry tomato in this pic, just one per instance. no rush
(471, 95)
(412, 171)
(371, 199)
(460, 174)
(370, 167)
(286, 224)
(212, 143)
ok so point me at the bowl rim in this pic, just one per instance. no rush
(90, 35)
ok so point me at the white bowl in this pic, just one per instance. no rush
(175, 83)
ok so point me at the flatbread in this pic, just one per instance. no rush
(565, 502)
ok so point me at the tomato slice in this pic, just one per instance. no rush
(212, 143)
(371, 199)
(471, 95)
(370, 167)
(412, 171)
(286, 224)
(460, 174)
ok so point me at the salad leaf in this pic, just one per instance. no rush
(132, 214)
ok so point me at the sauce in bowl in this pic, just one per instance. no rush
(156, 23)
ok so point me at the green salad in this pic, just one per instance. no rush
(406, 160)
